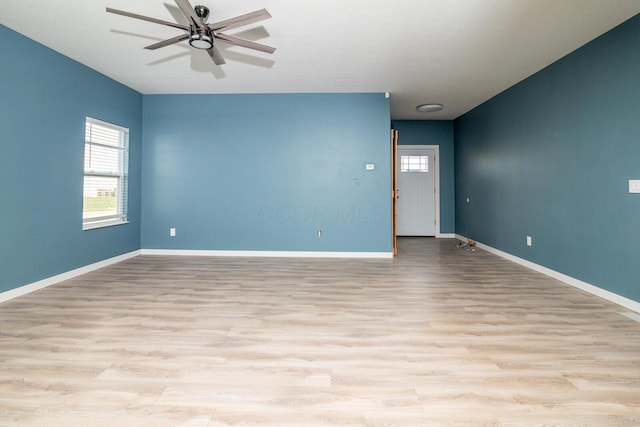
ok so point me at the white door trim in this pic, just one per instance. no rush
(436, 149)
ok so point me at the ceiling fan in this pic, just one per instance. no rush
(202, 35)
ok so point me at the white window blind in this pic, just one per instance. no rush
(105, 174)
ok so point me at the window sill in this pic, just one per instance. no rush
(102, 224)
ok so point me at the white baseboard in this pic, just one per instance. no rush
(587, 287)
(445, 236)
(40, 284)
(267, 254)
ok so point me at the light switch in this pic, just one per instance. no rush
(634, 186)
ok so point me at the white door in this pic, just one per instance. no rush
(416, 207)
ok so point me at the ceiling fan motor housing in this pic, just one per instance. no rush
(202, 12)
(201, 38)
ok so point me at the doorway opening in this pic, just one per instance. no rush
(417, 191)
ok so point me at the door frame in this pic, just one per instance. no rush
(436, 171)
(394, 189)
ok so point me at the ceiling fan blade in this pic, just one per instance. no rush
(147, 18)
(189, 13)
(244, 43)
(239, 21)
(168, 42)
(215, 54)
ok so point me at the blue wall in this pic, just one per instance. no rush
(551, 158)
(44, 99)
(435, 132)
(265, 172)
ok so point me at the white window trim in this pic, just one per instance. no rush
(121, 217)
(104, 223)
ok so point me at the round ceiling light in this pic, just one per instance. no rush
(201, 41)
(429, 108)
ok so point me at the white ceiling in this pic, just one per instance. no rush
(455, 52)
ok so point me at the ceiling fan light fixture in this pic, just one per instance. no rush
(201, 35)
(429, 108)
(201, 41)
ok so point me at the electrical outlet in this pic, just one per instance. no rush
(172, 232)
(319, 233)
(528, 240)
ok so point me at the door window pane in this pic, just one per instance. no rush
(414, 163)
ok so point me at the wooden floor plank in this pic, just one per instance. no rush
(438, 336)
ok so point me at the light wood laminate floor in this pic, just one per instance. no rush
(437, 336)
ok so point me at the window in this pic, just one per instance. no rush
(414, 163)
(106, 149)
